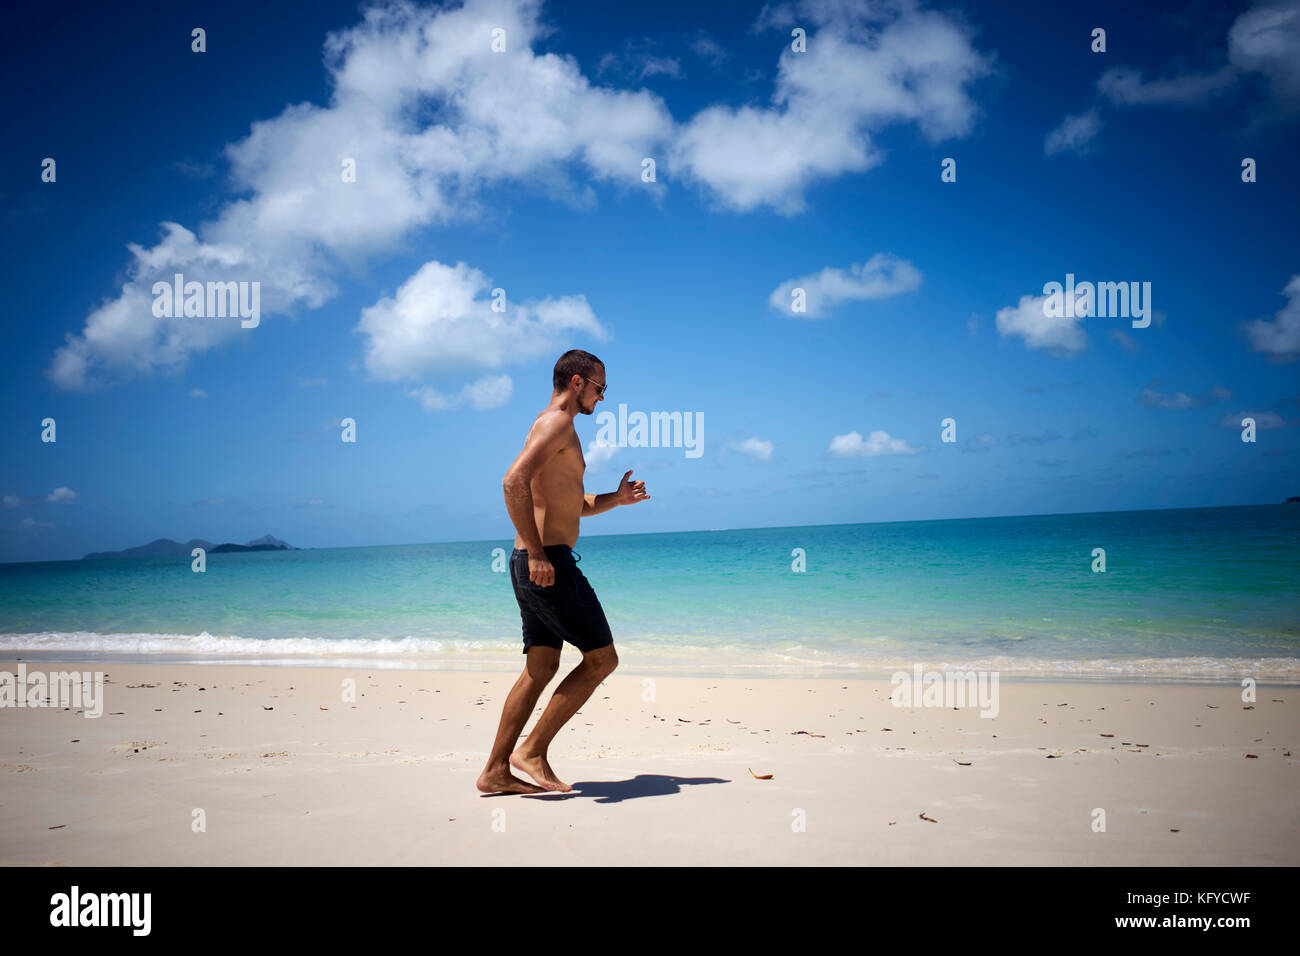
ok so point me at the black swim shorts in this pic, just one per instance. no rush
(566, 611)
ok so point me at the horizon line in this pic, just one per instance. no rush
(631, 534)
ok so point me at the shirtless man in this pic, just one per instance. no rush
(545, 498)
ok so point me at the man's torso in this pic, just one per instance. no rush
(558, 493)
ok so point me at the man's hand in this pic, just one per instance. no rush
(631, 491)
(540, 570)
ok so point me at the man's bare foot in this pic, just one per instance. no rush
(540, 770)
(503, 781)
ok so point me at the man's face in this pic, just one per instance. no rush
(591, 389)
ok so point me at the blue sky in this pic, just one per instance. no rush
(523, 170)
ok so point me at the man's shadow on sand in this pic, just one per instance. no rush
(616, 791)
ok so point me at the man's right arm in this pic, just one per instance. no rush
(547, 437)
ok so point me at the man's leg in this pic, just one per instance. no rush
(539, 668)
(572, 693)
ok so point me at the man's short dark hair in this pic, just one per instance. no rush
(571, 363)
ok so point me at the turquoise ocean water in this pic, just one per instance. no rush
(1205, 593)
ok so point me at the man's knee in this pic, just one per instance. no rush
(603, 659)
(542, 663)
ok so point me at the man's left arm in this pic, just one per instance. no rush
(629, 492)
(598, 504)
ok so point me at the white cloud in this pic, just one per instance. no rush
(1074, 134)
(61, 495)
(1061, 335)
(754, 447)
(440, 324)
(880, 277)
(599, 454)
(867, 67)
(661, 66)
(774, 16)
(1263, 420)
(431, 117)
(637, 62)
(124, 336)
(491, 391)
(198, 393)
(1155, 399)
(708, 49)
(1150, 396)
(1126, 341)
(1279, 338)
(12, 501)
(1266, 40)
(1124, 86)
(853, 445)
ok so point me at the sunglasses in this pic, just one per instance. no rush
(600, 389)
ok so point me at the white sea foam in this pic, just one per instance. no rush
(659, 653)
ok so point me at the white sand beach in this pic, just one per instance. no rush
(280, 770)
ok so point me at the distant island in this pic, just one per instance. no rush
(167, 548)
